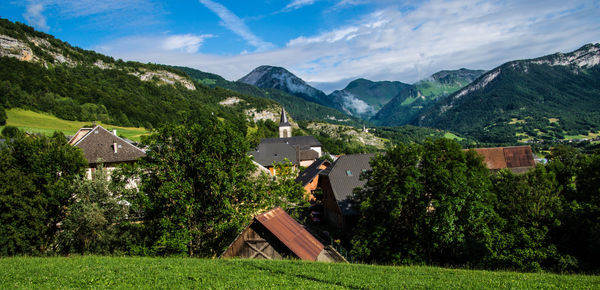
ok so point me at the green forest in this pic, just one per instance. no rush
(436, 204)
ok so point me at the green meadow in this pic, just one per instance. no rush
(35, 122)
(174, 273)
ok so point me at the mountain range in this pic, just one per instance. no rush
(363, 98)
(543, 98)
(551, 97)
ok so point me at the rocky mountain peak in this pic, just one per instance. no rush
(272, 77)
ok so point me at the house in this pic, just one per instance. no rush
(309, 177)
(101, 146)
(338, 182)
(275, 235)
(518, 159)
(266, 154)
(304, 143)
(300, 150)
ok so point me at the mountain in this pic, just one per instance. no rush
(363, 98)
(446, 82)
(271, 77)
(402, 109)
(413, 99)
(299, 108)
(550, 97)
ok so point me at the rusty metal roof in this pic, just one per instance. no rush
(507, 157)
(291, 234)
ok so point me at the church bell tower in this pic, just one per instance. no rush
(285, 128)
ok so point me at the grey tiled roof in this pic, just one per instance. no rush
(344, 176)
(267, 153)
(98, 145)
(308, 154)
(308, 174)
(294, 141)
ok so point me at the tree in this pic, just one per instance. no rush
(586, 214)
(95, 215)
(36, 174)
(2, 116)
(195, 187)
(424, 203)
(529, 206)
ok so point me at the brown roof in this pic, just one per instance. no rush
(507, 157)
(98, 144)
(291, 234)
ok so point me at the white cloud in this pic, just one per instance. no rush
(236, 25)
(410, 44)
(34, 16)
(297, 4)
(187, 42)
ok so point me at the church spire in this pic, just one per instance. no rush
(284, 120)
(285, 128)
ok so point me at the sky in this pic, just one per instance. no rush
(325, 42)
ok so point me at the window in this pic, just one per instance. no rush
(348, 172)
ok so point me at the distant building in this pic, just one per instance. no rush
(100, 146)
(285, 128)
(275, 235)
(299, 150)
(338, 182)
(518, 159)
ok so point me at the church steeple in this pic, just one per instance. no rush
(285, 128)
(283, 121)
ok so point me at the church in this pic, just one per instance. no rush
(301, 151)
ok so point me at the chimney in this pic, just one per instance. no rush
(115, 147)
(115, 132)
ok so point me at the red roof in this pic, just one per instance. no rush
(291, 234)
(507, 157)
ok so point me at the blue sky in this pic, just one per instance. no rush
(326, 42)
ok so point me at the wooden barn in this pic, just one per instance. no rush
(275, 235)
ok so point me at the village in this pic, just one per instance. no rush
(328, 185)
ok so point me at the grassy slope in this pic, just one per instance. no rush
(127, 272)
(44, 123)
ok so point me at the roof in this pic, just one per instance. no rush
(308, 174)
(291, 234)
(98, 144)
(308, 154)
(344, 176)
(301, 141)
(284, 120)
(507, 157)
(267, 153)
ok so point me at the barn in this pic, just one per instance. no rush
(275, 235)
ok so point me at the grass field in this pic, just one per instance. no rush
(128, 272)
(44, 123)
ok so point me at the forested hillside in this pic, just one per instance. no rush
(42, 73)
(551, 97)
(363, 98)
(414, 99)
